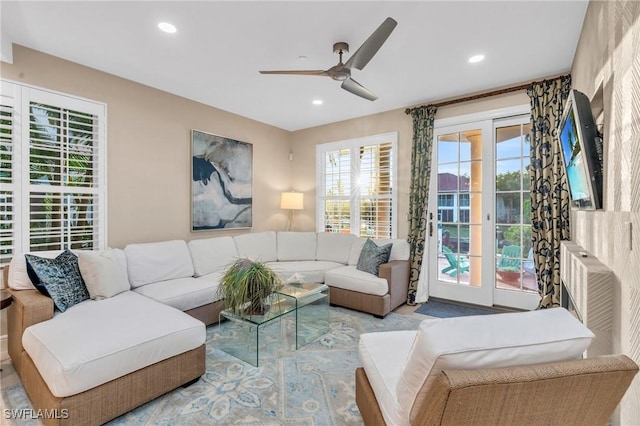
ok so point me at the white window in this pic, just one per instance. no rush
(52, 170)
(356, 186)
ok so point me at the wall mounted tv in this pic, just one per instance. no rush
(581, 147)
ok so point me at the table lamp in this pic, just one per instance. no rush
(291, 201)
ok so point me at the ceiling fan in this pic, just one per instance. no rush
(342, 72)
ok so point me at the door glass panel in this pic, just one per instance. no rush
(514, 264)
(459, 172)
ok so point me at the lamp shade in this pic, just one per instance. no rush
(292, 201)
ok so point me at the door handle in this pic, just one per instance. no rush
(431, 229)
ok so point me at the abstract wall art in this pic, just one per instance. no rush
(221, 185)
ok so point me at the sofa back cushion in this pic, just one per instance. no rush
(212, 254)
(152, 262)
(18, 277)
(334, 247)
(259, 246)
(487, 341)
(399, 249)
(104, 272)
(296, 246)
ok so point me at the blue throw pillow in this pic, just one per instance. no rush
(60, 277)
(372, 256)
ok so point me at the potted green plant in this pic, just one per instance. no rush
(246, 286)
(509, 274)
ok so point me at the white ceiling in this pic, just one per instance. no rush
(215, 56)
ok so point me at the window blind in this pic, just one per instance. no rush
(356, 191)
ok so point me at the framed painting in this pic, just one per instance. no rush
(222, 182)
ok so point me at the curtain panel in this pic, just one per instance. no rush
(423, 119)
(550, 205)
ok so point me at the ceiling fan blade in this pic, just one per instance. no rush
(297, 72)
(350, 85)
(371, 46)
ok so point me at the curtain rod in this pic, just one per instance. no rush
(485, 94)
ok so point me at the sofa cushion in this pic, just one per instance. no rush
(312, 271)
(104, 272)
(259, 246)
(97, 341)
(383, 369)
(153, 262)
(18, 276)
(399, 250)
(60, 277)
(296, 246)
(184, 293)
(334, 247)
(212, 254)
(372, 256)
(488, 341)
(350, 278)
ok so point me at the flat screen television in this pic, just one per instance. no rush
(581, 147)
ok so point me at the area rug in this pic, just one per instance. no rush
(314, 385)
(435, 308)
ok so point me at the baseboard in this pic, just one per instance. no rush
(4, 348)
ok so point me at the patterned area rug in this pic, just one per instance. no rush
(314, 385)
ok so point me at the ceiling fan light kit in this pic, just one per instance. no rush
(362, 56)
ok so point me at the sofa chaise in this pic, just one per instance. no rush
(133, 341)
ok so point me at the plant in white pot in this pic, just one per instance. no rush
(246, 286)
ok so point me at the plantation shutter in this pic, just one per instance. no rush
(9, 173)
(65, 184)
(52, 171)
(356, 191)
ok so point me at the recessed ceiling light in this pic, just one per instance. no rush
(302, 58)
(476, 58)
(317, 102)
(167, 27)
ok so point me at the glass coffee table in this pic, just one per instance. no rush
(312, 310)
(308, 305)
(240, 333)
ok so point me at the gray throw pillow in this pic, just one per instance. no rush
(372, 256)
(61, 278)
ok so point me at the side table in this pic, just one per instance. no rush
(5, 299)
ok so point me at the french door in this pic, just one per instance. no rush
(479, 231)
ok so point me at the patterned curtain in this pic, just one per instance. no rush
(419, 191)
(550, 206)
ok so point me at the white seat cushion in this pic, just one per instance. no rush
(384, 367)
(488, 341)
(184, 293)
(296, 246)
(94, 342)
(153, 262)
(312, 271)
(259, 246)
(350, 278)
(212, 254)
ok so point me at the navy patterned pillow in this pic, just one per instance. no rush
(372, 256)
(60, 277)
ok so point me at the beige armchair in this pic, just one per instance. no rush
(579, 392)
(520, 368)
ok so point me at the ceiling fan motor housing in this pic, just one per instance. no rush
(340, 47)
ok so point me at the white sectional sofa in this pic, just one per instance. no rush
(109, 354)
